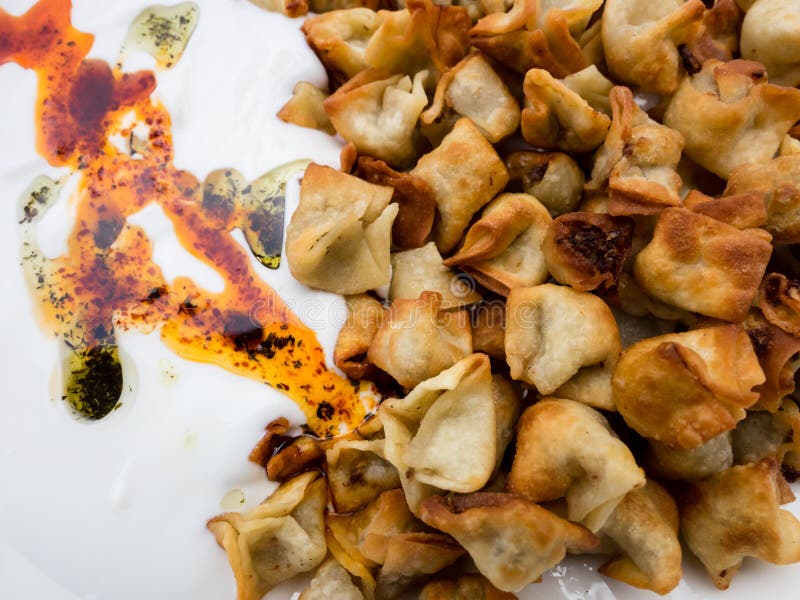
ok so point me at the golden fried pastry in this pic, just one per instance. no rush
(331, 582)
(521, 14)
(644, 528)
(358, 473)
(588, 250)
(779, 300)
(283, 536)
(553, 178)
(417, 340)
(503, 249)
(731, 106)
(465, 173)
(379, 114)
(507, 408)
(552, 331)
(442, 435)
(465, 587)
(715, 36)
(641, 40)
(591, 386)
(777, 354)
(683, 389)
(411, 557)
(764, 435)
(489, 329)
(305, 108)
(512, 541)
(690, 464)
(420, 270)
(742, 211)
(700, 264)
(364, 317)
(638, 160)
(338, 239)
(771, 35)
(737, 513)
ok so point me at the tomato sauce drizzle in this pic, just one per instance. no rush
(107, 279)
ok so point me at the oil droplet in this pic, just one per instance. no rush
(168, 372)
(232, 500)
(190, 440)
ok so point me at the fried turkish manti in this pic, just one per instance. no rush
(682, 389)
(464, 587)
(700, 264)
(301, 454)
(638, 160)
(587, 250)
(442, 436)
(779, 182)
(338, 238)
(771, 35)
(465, 173)
(472, 89)
(556, 117)
(418, 340)
(779, 300)
(716, 35)
(762, 435)
(567, 450)
(305, 108)
(691, 464)
(632, 299)
(553, 178)
(591, 386)
(503, 249)
(777, 354)
(737, 513)
(790, 145)
(283, 536)
(522, 13)
(379, 114)
(419, 270)
(339, 38)
(644, 529)
(331, 582)
(507, 408)
(489, 329)
(641, 40)
(731, 105)
(742, 211)
(511, 540)
(552, 331)
(364, 317)
(422, 36)
(357, 473)
(414, 198)
(290, 8)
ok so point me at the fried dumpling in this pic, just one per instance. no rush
(503, 249)
(644, 528)
(683, 389)
(420, 270)
(411, 557)
(715, 36)
(553, 178)
(699, 264)
(364, 317)
(442, 435)
(338, 238)
(379, 114)
(417, 340)
(779, 300)
(305, 108)
(512, 541)
(742, 211)
(331, 582)
(489, 329)
(567, 450)
(358, 473)
(690, 464)
(731, 105)
(552, 331)
(472, 89)
(591, 386)
(283, 536)
(778, 181)
(637, 160)
(588, 250)
(777, 353)
(520, 13)
(737, 513)
(507, 408)
(641, 40)
(339, 38)
(556, 117)
(771, 35)
(464, 587)
(763, 435)
(465, 173)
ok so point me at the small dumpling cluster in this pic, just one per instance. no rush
(582, 216)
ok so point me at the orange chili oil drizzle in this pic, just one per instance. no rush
(107, 279)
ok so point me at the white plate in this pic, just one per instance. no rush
(116, 510)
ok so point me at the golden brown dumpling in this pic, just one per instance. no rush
(552, 331)
(641, 40)
(503, 249)
(488, 329)
(699, 264)
(411, 557)
(731, 106)
(358, 473)
(379, 114)
(338, 238)
(771, 35)
(777, 353)
(464, 587)
(512, 541)
(553, 178)
(283, 536)
(591, 386)
(644, 528)
(364, 317)
(736, 514)
(779, 300)
(690, 464)
(331, 582)
(305, 108)
(742, 211)
(417, 340)
(465, 173)
(683, 389)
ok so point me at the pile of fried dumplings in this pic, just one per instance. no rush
(583, 217)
